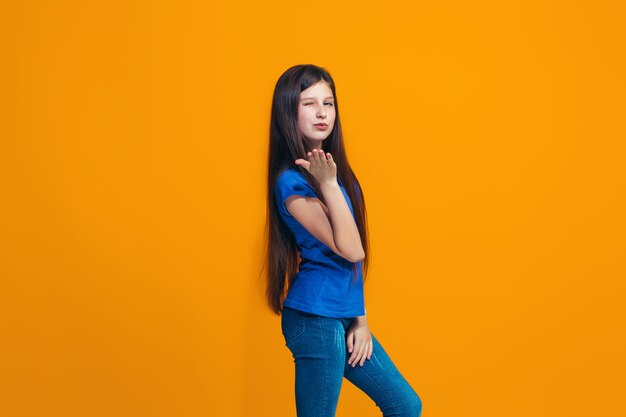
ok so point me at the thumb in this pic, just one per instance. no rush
(305, 164)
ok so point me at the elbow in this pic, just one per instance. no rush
(353, 254)
(357, 257)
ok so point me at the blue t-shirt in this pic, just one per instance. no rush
(324, 283)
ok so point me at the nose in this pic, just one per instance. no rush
(321, 112)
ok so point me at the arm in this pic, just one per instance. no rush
(345, 232)
(333, 223)
(363, 318)
(327, 225)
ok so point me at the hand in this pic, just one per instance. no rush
(321, 166)
(359, 341)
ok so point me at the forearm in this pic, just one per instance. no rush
(345, 231)
(362, 318)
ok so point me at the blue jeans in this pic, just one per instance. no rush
(318, 346)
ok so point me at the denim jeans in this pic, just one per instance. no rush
(318, 347)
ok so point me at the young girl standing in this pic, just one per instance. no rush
(317, 211)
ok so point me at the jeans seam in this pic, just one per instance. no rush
(319, 319)
(393, 403)
(303, 324)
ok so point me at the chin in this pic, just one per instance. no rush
(325, 136)
(316, 138)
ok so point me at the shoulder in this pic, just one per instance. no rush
(291, 173)
(287, 174)
(289, 182)
(290, 176)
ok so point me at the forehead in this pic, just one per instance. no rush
(317, 90)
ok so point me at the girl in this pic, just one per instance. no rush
(317, 210)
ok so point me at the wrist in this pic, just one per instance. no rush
(329, 183)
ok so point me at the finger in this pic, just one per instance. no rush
(313, 158)
(361, 357)
(321, 156)
(359, 353)
(303, 163)
(355, 352)
(371, 350)
(331, 161)
(323, 159)
(316, 156)
(357, 359)
(366, 353)
(349, 342)
(363, 354)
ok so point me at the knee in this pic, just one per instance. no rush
(413, 405)
(418, 406)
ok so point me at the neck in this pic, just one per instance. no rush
(314, 145)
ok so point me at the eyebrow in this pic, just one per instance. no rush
(313, 98)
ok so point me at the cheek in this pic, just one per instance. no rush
(305, 115)
(302, 119)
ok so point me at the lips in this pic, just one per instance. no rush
(320, 124)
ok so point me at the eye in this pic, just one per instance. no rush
(331, 104)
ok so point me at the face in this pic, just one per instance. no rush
(316, 106)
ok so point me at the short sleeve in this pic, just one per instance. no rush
(291, 183)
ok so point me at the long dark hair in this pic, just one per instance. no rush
(287, 144)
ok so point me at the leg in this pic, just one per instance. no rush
(382, 382)
(318, 347)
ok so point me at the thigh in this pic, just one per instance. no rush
(318, 348)
(382, 382)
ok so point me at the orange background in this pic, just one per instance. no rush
(489, 139)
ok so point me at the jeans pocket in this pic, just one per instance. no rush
(292, 324)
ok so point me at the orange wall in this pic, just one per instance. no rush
(489, 138)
